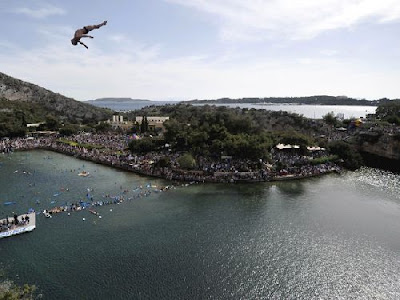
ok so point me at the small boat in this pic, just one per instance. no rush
(47, 214)
(94, 212)
(84, 174)
(17, 224)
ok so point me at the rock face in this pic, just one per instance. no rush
(65, 108)
(384, 145)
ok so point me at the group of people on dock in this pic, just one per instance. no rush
(9, 223)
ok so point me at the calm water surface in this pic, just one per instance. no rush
(312, 111)
(334, 237)
(129, 105)
(308, 111)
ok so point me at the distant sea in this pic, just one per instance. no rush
(311, 111)
(128, 105)
(308, 111)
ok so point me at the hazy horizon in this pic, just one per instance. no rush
(203, 49)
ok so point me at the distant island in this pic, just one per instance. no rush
(311, 100)
(117, 100)
(126, 104)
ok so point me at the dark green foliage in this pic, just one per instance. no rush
(324, 159)
(396, 136)
(135, 128)
(11, 130)
(393, 120)
(69, 129)
(47, 102)
(15, 292)
(14, 116)
(346, 122)
(163, 162)
(103, 127)
(145, 145)
(370, 137)
(352, 158)
(215, 131)
(36, 105)
(187, 161)
(389, 112)
(330, 119)
(11, 291)
(51, 123)
(295, 138)
(248, 146)
(144, 126)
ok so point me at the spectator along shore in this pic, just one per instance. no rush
(112, 150)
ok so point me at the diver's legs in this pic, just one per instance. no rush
(91, 27)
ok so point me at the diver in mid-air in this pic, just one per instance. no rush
(83, 32)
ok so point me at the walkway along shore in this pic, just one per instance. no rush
(218, 172)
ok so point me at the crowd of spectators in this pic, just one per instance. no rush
(112, 149)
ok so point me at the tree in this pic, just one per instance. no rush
(135, 128)
(187, 161)
(10, 291)
(164, 162)
(21, 115)
(142, 146)
(69, 129)
(11, 130)
(295, 138)
(198, 141)
(172, 127)
(102, 127)
(386, 110)
(352, 158)
(144, 126)
(392, 119)
(330, 119)
(51, 123)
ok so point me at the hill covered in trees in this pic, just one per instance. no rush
(13, 89)
(22, 102)
(390, 112)
(215, 131)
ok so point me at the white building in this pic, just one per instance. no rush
(154, 122)
(118, 122)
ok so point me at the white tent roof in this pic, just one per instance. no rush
(282, 146)
(316, 148)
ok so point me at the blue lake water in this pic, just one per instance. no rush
(333, 237)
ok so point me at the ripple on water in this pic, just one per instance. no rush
(384, 181)
(312, 239)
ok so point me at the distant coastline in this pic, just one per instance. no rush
(117, 100)
(312, 100)
(126, 104)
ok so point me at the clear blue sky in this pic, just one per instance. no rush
(205, 49)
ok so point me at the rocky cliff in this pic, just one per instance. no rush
(385, 145)
(380, 150)
(62, 107)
